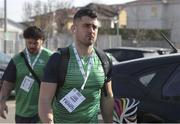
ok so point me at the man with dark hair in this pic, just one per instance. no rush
(34, 32)
(24, 72)
(86, 87)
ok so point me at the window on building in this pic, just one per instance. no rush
(154, 11)
(122, 18)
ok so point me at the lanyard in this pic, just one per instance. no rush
(90, 63)
(35, 60)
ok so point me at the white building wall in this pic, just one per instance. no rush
(173, 16)
(143, 16)
(12, 37)
(140, 16)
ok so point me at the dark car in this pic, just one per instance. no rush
(148, 89)
(128, 53)
(4, 60)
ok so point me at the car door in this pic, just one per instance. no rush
(145, 85)
(171, 95)
(153, 106)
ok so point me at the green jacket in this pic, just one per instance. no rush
(27, 102)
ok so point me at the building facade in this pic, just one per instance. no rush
(154, 14)
(9, 41)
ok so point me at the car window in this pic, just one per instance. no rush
(145, 79)
(1, 74)
(150, 54)
(4, 60)
(126, 55)
(172, 87)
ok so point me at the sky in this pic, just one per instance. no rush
(15, 7)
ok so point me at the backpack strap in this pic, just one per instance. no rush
(30, 69)
(63, 65)
(106, 64)
(64, 60)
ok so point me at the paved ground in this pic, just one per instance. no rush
(10, 115)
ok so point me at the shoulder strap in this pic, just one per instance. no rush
(30, 69)
(106, 63)
(64, 60)
(63, 65)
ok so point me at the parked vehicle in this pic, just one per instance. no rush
(4, 60)
(148, 88)
(128, 53)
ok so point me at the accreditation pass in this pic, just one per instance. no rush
(72, 100)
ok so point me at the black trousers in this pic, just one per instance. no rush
(33, 119)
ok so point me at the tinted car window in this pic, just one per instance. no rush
(146, 78)
(1, 73)
(4, 60)
(123, 54)
(172, 87)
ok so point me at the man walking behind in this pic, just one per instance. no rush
(24, 72)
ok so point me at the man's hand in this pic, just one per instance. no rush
(107, 104)
(4, 93)
(3, 109)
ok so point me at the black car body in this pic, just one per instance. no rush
(154, 83)
(128, 53)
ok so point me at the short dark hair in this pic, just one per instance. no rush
(85, 12)
(33, 32)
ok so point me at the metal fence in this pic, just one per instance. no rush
(62, 40)
(147, 43)
(103, 41)
(59, 40)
